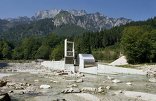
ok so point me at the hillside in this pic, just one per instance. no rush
(61, 22)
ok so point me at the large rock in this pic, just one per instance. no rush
(101, 90)
(116, 81)
(45, 86)
(3, 83)
(89, 89)
(79, 80)
(71, 90)
(4, 97)
(152, 80)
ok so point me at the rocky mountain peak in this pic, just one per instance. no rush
(47, 13)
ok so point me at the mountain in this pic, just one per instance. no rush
(62, 22)
(90, 21)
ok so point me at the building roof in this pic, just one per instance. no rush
(86, 56)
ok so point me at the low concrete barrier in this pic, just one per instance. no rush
(54, 65)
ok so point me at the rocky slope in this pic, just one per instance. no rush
(90, 21)
(62, 22)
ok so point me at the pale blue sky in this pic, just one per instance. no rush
(132, 9)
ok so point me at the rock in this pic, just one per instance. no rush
(4, 97)
(110, 78)
(79, 80)
(89, 89)
(152, 80)
(11, 91)
(119, 92)
(60, 100)
(80, 75)
(72, 85)
(3, 83)
(129, 83)
(36, 80)
(116, 81)
(100, 90)
(108, 87)
(28, 84)
(53, 81)
(45, 86)
(71, 90)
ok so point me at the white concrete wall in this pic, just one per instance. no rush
(59, 65)
(90, 70)
(54, 65)
(113, 69)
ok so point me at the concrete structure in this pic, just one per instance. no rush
(69, 54)
(87, 64)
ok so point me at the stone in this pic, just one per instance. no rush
(11, 91)
(71, 90)
(36, 80)
(152, 80)
(89, 89)
(4, 97)
(119, 92)
(116, 81)
(100, 90)
(45, 86)
(55, 81)
(108, 87)
(129, 83)
(79, 80)
(60, 100)
(110, 78)
(72, 85)
(3, 83)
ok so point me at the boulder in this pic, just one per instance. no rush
(3, 83)
(108, 87)
(71, 90)
(72, 85)
(152, 80)
(89, 89)
(4, 97)
(79, 80)
(110, 78)
(129, 83)
(116, 81)
(101, 89)
(45, 86)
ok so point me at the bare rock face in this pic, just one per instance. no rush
(4, 97)
(92, 21)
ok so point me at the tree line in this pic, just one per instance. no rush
(136, 40)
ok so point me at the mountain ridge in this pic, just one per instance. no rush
(89, 21)
(63, 22)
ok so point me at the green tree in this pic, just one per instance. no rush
(57, 53)
(136, 45)
(17, 53)
(43, 52)
(6, 51)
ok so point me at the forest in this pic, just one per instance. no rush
(136, 40)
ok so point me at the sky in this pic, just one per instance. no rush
(131, 9)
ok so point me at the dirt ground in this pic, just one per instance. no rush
(26, 79)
